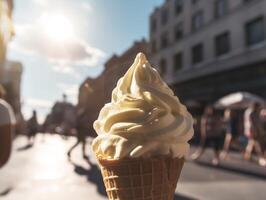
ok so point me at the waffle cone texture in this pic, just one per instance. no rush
(141, 179)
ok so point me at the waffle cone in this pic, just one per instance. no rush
(141, 179)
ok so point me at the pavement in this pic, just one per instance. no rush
(43, 172)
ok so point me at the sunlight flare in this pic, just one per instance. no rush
(58, 27)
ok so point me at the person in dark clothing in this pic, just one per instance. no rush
(211, 135)
(231, 133)
(82, 129)
(33, 127)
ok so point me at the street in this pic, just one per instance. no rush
(43, 172)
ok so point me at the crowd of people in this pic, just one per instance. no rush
(245, 131)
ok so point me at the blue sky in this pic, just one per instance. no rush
(57, 65)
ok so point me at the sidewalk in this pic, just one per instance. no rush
(43, 172)
(234, 163)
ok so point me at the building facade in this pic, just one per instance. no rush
(61, 119)
(6, 28)
(11, 81)
(90, 101)
(208, 48)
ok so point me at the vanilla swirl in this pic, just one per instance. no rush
(143, 119)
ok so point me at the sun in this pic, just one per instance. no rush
(58, 27)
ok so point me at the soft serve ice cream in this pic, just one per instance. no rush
(143, 119)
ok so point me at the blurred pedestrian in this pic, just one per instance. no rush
(33, 127)
(263, 117)
(211, 135)
(81, 127)
(7, 126)
(231, 133)
(254, 131)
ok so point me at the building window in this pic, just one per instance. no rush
(194, 1)
(153, 25)
(197, 53)
(178, 61)
(163, 66)
(153, 46)
(255, 31)
(246, 1)
(178, 6)
(222, 44)
(164, 40)
(178, 31)
(220, 8)
(164, 16)
(197, 20)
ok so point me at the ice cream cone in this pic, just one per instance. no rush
(143, 136)
(141, 178)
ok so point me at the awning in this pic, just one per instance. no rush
(239, 100)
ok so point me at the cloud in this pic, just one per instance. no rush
(41, 2)
(86, 6)
(32, 40)
(71, 90)
(68, 70)
(69, 3)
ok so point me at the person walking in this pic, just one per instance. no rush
(7, 126)
(211, 135)
(254, 131)
(231, 132)
(82, 129)
(33, 128)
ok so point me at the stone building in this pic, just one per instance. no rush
(6, 29)
(11, 81)
(61, 119)
(209, 48)
(90, 101)
(6, 33)
(94, 93)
